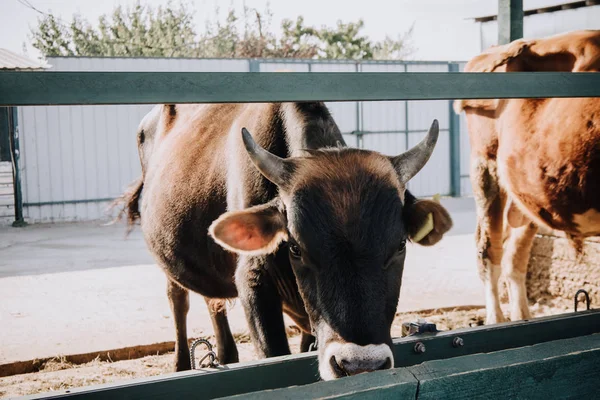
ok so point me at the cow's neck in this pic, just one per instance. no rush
(309, 126)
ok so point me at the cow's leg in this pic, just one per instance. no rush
(489, 201)
(263, 307)
(180, 305)
(226, 347)
(514, 261)
(306, 341)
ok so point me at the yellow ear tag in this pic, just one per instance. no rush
(427, 225)
(425, 229)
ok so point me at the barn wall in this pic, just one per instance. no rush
(7, 200)
(84, 154)
(76, 158)
(547, 24)
(556, 270)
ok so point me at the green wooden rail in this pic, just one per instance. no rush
(565, 368)
(476, 361)
(77, 88)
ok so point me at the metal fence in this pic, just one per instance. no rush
(75, 159)
(82, 145)
(558, 343)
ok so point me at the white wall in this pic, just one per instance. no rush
(89, 153)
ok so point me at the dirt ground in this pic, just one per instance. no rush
(60, 375)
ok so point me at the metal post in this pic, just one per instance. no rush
(406, 137)
(510, 20)
(253, 65)
(359, 122)
(15, 155)
(454, 132)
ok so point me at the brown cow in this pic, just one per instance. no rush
(534, 162)
(314, 229)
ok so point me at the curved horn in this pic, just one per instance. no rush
(409, 163)
(273, 168)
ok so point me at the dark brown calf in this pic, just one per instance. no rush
(298, 223)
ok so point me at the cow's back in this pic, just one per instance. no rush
(547, 151)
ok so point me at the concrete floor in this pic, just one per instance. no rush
(81, 287)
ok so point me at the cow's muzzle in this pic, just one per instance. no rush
(341, 359)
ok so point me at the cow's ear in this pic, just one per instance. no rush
(255, 231)
(427, 221)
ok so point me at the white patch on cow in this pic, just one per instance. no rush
(517, 292)
(149, 124)
(235, 197)
(588, 223)
(353, 352)
(517, 249)
(492, 297)
(294, 125)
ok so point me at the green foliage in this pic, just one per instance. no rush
(169, 31)
(52, 38)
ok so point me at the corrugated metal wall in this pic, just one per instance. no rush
(74, 159)
(547, 24)
(81, 155)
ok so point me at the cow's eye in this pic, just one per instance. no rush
(402, 246)
(295, 250)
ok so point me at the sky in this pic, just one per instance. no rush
(443, 29)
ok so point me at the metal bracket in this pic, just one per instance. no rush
(210, 354)
(417, 328)
(576, 298)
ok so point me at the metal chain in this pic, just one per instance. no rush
(211, 355)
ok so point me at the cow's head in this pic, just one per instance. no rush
(343, 216)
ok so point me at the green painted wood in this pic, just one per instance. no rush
(389, 384)
(488, 338)
(71, 88)
(301, 369)
(204, 384)
(16, 160)
(562, 369)
(566, 368)
(454, 143)
(510, 20)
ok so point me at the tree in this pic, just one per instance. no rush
(52, 38)
(142, 31)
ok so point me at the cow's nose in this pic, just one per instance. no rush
(352, 366)
(345, 358)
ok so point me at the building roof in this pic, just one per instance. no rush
(542, 10)
(10, 60)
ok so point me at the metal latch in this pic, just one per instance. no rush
(417, 328)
